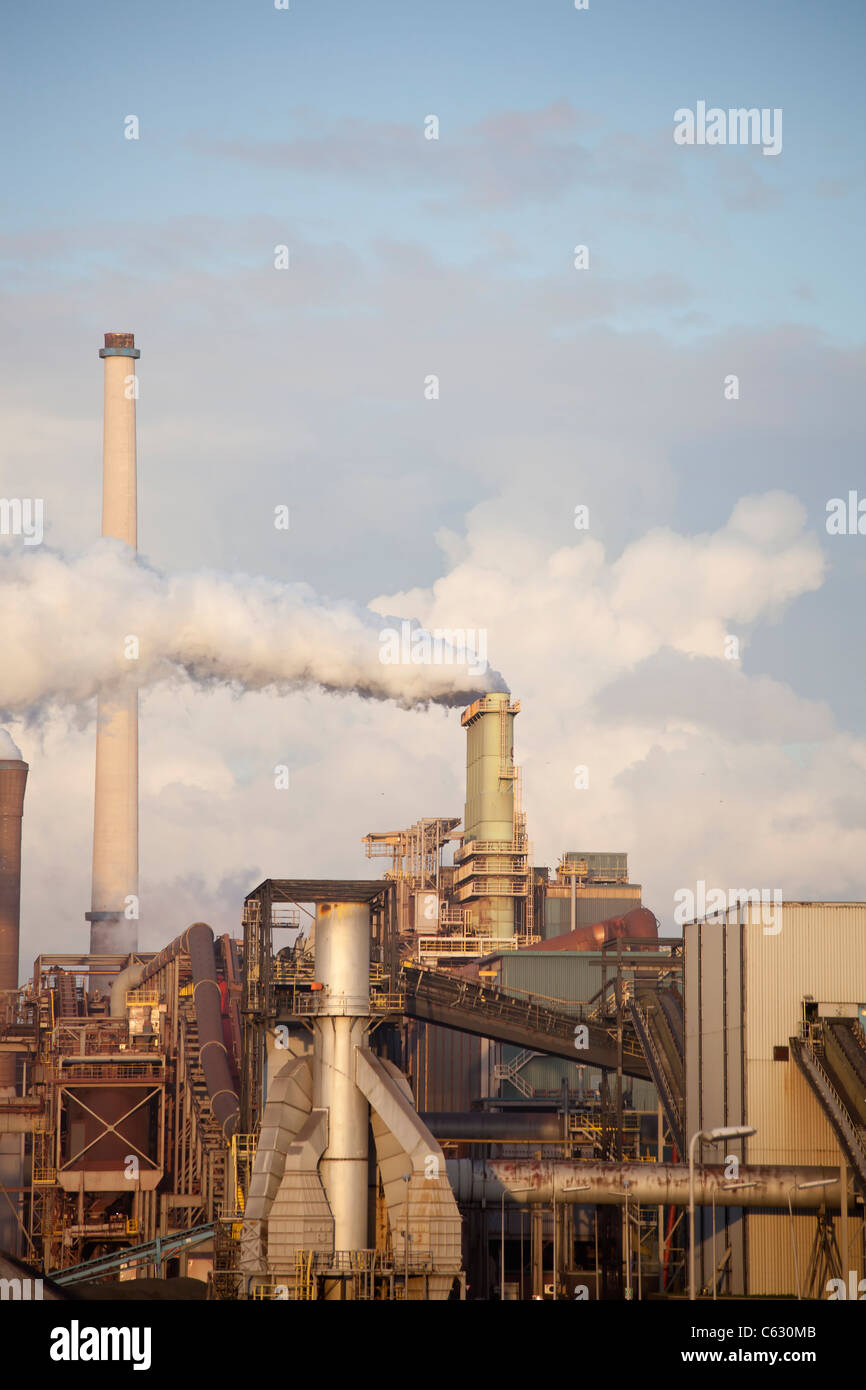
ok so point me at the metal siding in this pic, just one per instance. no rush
(771, 1260)
(567, 975)
(692, 1024)
(713, 1041)
(546, 1074)
(447, 1067)
(821, 950)
(572, 976)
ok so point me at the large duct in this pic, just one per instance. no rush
(198, 943)
(13, 780)
(114, 903)
(310, 1184)
(529, 1181)
(638, 924)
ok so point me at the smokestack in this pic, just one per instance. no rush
(493, 857)
(13, 780)
(114, 904)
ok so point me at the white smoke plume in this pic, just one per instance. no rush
(69, 628)
(8, 747)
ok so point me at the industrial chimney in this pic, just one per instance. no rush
(492, 867)
(114, 905)
(13, 780)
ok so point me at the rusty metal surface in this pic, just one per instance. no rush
(651, 1184)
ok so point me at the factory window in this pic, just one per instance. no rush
(780, 1054)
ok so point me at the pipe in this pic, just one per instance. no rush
(198, 943)
(113, 912)
(484, 1126)
(636, 924)
(343, 967)
(650, 1184)
(129, 977)
(13, 780)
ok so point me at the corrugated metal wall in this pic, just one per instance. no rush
(572, 977)
(592, 905)
(820, 950)
(744, 988)
(448, 1070)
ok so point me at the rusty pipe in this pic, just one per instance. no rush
(652, 1184)
(198, 943)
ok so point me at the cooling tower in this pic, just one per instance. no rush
(13, 780)
(114, 904)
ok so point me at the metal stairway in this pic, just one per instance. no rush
(510, 1071)
(668, 1085)
(851, 1136)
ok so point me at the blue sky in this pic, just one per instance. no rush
(207, 74)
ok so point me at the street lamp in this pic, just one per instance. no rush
(407, 1178)
(709, 1136)
(502, 1246)
(627, 1254)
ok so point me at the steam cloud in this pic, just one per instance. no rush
(65, 625)
(8, 747)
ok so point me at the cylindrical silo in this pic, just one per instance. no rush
(13, 780)
(114, 904)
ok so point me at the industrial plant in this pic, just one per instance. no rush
(469, 1076)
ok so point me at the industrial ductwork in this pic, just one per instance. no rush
(197, 942)
(309, 1190)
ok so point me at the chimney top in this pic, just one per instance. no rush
(119, 345)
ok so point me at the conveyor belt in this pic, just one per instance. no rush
(469, 1007)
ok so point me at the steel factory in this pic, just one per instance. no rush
(452, 1074)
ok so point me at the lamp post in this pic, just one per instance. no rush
(710, 1136)
(407, 1177)
(581, 1187)
(626, 1184)
(502, 1247)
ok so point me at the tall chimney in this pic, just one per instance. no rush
(114, 904)
(493, 860)
(13, 780)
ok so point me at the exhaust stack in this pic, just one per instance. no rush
(492, 867)
(13, 780)
(114, 903)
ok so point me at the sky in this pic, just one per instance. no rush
(558, 387)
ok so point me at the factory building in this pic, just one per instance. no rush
(774, 1043)
(469, 1077)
